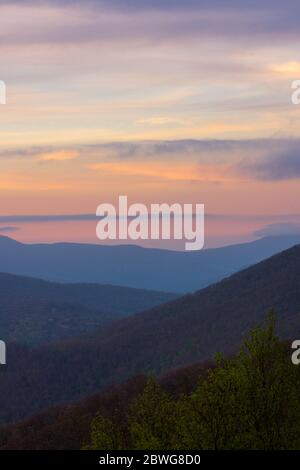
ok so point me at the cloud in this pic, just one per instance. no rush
(164, 121)
(279, 229)
(45, 218)
(81, 21)
(261, 159)
(40, 154)
(58, 156)
(178, 171)
(8, 229)
(188, 159)
(172, 71)
(290, 69)
(282, 162)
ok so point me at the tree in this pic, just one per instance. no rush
(105, 435)
(152, 419)
(247, 402)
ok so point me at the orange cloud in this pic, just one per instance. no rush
(179, 171)
(58, 156)
(291, 69)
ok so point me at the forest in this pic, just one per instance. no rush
(248, 401)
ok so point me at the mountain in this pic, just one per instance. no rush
(33, 311)
(180, 332)
(133, 266)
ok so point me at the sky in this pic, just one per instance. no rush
(163, 101)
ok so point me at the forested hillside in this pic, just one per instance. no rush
(180, 332)
(248, 401)
(35, 312)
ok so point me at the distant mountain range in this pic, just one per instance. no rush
(177, 333)
(34, 312)
(133, 266)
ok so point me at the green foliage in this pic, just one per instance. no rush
(152, 419)
(104, 435)
(247, 402)
(208, 418)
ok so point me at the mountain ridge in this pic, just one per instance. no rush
(34, 311)
(134, 266)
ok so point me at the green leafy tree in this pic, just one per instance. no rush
(269, 392)
(152, 419)
(248, 402)
(105, 435)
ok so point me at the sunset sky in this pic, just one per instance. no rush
(164, 101)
